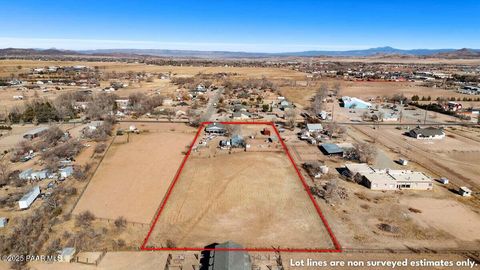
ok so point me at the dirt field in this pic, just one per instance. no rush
(229, 197)
(132, 179)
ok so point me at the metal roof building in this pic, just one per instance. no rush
(331, 149)
(34, 133)
(230, 260)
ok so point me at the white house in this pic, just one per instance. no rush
(29, 197)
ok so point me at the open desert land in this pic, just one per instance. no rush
(253, 198)
(137, 170)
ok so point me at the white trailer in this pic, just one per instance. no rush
(29, 197)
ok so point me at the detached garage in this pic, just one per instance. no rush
(331, 149)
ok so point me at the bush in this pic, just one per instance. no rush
(100, 148)
(120, 222)
(84, 219)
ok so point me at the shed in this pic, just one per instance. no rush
(265, 131)
(465, 191)
(3, 222)
(67, 254)
(403, 162)
(65, 172)
(443, 180)
(29, 197)
(331, 149)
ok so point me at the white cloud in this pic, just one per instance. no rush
(90, 44)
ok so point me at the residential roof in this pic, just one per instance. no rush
(215, 126)
(428, 131)
(231, 260)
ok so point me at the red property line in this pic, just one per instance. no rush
(177, 175)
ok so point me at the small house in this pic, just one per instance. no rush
(427, 133)
(29, 198)
(465, 191)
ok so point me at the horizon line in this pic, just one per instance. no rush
(108, 44)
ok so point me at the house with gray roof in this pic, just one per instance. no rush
(427, 133)
(216, 128)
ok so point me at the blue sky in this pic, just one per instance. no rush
(255, 26)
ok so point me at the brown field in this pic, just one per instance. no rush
(133, 177)
(252, 198)
(10, 66)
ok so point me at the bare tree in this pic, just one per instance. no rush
(365, 152)
(5, 170)
(290, 117)
(320, 95)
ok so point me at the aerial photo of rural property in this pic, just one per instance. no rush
(239, 135)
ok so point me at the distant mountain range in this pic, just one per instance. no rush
(373, 52)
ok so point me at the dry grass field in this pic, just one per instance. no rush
(252, 198)
(8, 67)
(134, 176)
